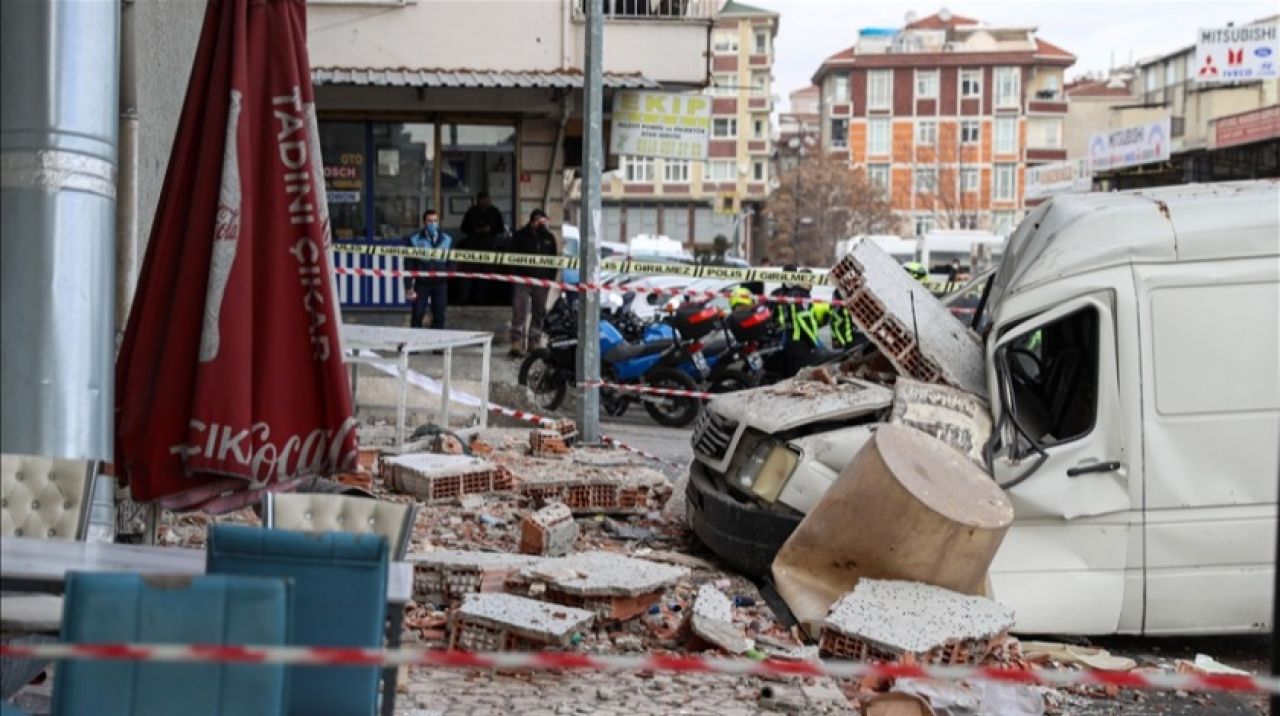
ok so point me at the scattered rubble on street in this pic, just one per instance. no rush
(501, 622)
(549, 532)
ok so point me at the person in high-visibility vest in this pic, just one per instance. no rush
(799, 326)
(917, 271)
(841, 323)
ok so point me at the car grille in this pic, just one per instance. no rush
(712, 435)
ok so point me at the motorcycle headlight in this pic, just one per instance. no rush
(768, 469)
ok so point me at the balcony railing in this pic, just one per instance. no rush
(650, 9)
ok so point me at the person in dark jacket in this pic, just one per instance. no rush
(529, 303)
(482, 228)
(428, 292)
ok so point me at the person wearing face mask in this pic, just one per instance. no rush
(423, 292)
(529, 303)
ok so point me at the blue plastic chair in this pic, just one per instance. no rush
(340, 599)
(104, 608)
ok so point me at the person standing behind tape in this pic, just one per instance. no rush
(799, 325)
(423, 292)
(841, 323)
(529, 303)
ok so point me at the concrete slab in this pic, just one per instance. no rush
(604, 574)
(523, 617)
(915, 618)
(713, 620)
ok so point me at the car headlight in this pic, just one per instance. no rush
(768, 469)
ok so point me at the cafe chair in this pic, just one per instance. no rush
(208, 609)
(340, 599)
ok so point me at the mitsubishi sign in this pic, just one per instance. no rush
(1129, 147)
(1236, 54)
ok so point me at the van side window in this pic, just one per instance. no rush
(1054, 374)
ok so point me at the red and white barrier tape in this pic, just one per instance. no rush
(547, 283)
(670, 392)
(526, 661)
(544, 421)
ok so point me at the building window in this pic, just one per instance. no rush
(760, 84)
(1049, 88)
(1004, 222)
(878, 175)
(970, 131)
(926, 84)
(967, 221)
(637, 169)
(721, 170)
(1170, 73)
(838, 89)
(926, 132)
(923, 225)
(675, 171)
(762, 42)
(926, 180)
(758, 171)
(1044, 132)
(840, 133)
(879, 89)
(970, 83)
(969, 178)
(1008, 86)
(724, 127)
(724, 41)
(878, 136)
(1006, 135)
(724, 86)
(1190, 70)
(1002, 189)
(757, 129)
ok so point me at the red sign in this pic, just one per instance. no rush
(525, 178)
(1235, 57)
(230, 375)
(1248, 127)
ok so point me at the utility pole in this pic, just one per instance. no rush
(588, 368)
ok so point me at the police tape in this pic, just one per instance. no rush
(545, 422)
(572, 661)
(651, 390)
(536, 261)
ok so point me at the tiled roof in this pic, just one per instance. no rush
(935, 22)
(1048, 49)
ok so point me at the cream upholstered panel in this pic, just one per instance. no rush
(310, 512)
(41, 497)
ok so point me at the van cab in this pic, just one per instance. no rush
(1133, 376)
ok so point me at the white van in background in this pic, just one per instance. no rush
(902, 250)
(647, 246)
(943, 248)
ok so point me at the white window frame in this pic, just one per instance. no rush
(926, 132)
(1036, 136)
(1150, 80)
(724, 85)
(970, 178)
(922, 224)
(878, 175)
(975, 124)
(729, 169)
(1004, 216)
(1170, 73)
(759, 172)
(1008, 170)
(725, 42)
(880, 97)
(758, 45)
(839, 93)
(731, 124)
(759, 84)
(675, 171)
(839, 140)
(926, 86)
(975, 76)
(923, 185)
(637, 170)
(1010, 146)
(1008, 86)
(873, 148)
(758, 129)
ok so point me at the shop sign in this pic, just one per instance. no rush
(660, 124)
(1247, 127)
(1236, 54)
(1129, 147)
(1070, 177)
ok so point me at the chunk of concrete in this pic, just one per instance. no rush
(713, 620)
(436, 478)
(497, 622)
(549, 532)
(605, 574)
(913, 622)
(446, 576)
(957, 418)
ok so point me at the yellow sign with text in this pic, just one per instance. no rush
(660, 124)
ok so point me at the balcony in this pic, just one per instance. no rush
(650, 9)
(634, 28)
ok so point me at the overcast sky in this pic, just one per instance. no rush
(1092, 30)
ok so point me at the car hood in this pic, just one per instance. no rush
(801, 401)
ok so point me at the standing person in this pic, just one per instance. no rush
(423, 292)
(529, 303)
(482, 227)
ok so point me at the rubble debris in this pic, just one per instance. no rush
(624, 531)
(907, 506)
(906, 322)
(1090, 656)
(506, 622)
(567, 428)
(1205, 665)
(360, 479)
(713, 621)
(590, 482)
(367, 458)
(897, 704)
(959, 419)
(550, 531)
(913, 623)
(446, 576)
(433, 478)
(615, 587)
(480, 447)
(546, 443)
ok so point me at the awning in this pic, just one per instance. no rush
(470, 79)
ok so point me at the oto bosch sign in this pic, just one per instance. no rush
(1236, 54)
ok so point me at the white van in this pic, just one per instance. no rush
(902, 250)
(1133, 373)
(941, 247)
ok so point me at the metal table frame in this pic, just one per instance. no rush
(404, 342)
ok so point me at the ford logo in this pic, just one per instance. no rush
(1262, 51)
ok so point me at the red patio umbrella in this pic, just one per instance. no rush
(230, 375)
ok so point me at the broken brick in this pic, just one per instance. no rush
(547, 443)
(550, 531)
(502, 622)
(435, 478)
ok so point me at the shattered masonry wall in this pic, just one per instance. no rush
(435, 478)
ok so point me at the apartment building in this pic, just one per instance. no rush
(798, 130)
(1090, 101)
(691, 201)
(946, 113)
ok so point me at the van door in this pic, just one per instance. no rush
(1060, 452)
